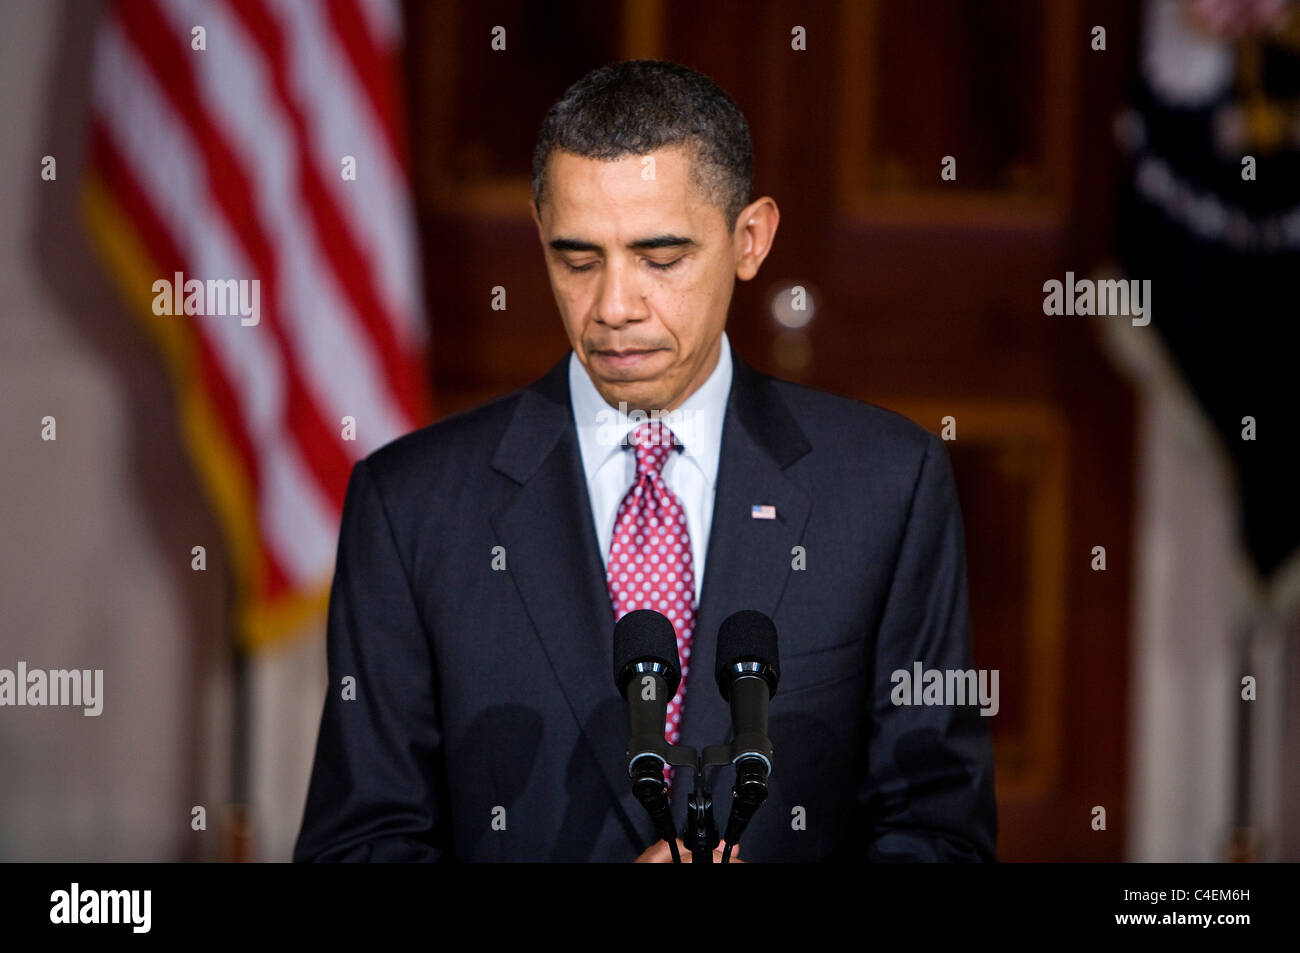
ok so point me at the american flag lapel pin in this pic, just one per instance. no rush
(765, 512)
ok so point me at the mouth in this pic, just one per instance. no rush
(624, 360)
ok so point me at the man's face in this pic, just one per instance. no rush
(642, 265)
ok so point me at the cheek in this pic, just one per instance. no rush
(677, 309)
(694, 304)
(572, 297)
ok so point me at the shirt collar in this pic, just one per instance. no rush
(697, 423)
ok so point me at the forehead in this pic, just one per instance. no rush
(655, 188)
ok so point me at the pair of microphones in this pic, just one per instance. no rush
(647, 673)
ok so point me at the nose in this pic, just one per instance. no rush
(620, 298)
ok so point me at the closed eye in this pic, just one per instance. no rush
(658, 266)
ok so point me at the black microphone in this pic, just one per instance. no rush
(747, 673)
(647, 674)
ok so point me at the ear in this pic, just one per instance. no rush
(537, 217)
(755, 232)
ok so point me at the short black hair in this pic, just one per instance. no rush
(637, 106)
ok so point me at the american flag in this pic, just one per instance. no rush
(262, 140)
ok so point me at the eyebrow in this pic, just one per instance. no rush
(641, 244)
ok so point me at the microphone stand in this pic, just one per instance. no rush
(701, 831)
(701, 828)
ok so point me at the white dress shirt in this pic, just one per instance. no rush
(691, 473)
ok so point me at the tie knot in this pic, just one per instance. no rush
(653, 442)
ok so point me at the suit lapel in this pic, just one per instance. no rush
(551, 552)
(749, 560)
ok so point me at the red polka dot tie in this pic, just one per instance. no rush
(650, 556)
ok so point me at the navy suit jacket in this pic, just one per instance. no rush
(485, 723)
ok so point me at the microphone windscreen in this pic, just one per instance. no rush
(645, 635)
(746, 636)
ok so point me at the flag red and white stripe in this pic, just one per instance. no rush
(226, 162)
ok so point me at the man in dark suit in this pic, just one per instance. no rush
(471, 711)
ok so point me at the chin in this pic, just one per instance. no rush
(635, 396)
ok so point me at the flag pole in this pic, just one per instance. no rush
(239, 822)
(1243, 843)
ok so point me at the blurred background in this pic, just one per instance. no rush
(170, 485)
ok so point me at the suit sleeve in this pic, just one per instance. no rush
(376, 791)
(928, 793)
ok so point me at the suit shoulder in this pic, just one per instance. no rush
(467, 438)
(828, 417)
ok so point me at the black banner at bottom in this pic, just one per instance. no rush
(130, 903)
